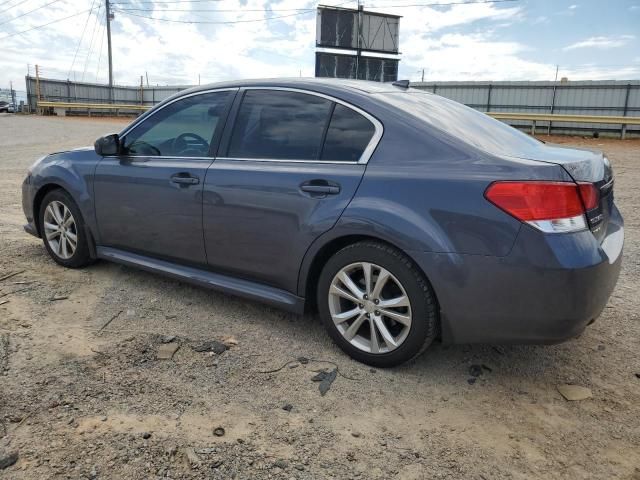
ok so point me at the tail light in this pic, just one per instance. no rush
(552, 207)
(589, 194)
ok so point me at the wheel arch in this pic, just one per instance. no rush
(37, 201)
(37, 204)
(317, 256)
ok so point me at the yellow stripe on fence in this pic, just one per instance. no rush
(94, 106)
(555, 117)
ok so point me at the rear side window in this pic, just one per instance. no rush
(465, 123)
(274, 124)
(348, 135)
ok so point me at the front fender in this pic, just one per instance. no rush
(73, 171)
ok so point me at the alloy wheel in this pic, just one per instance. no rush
(60, 229)
(370, 307)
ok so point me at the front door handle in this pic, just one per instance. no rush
(184, 179)
(320, 187)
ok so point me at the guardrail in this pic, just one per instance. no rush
(94, 106)
(530, 117)
(554, 117)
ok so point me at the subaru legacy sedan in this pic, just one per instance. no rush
(398, 215)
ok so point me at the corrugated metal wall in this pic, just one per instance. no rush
(67, 91)
(605, 97)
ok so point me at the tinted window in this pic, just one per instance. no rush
(279, 125)
(463, 122)
(182, 129)
(348, 135)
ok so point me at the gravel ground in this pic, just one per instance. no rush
(84, 395)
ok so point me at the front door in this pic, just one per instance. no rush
(149, 198)
(289, 167)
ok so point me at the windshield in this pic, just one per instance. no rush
(469, 125)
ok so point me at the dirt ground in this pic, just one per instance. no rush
(83, 395)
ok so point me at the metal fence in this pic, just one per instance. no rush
(79, 92)
(606, 97)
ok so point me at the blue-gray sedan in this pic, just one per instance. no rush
(397, 214)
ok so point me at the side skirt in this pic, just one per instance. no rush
(242, 288)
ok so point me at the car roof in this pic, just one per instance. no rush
(311, 83)
(360, 93)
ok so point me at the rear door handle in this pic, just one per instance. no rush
(184, 179)
(320, 187)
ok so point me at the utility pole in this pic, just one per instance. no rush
(423, 75)
(358, 45)
(38, 108)
(13, 95)
(556, 79)
(109, 17)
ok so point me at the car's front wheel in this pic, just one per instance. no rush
(62, 230)
(376, 304)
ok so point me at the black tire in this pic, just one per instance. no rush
(424, 309)
(81, 257)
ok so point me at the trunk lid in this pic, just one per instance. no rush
(583, 165)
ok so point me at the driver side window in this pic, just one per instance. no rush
(184, 128)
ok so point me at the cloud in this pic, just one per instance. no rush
(542, 19)
(170, 52)
(602, 42)
(454, 42)
(598, 73)
(433, 19)
(476, 57)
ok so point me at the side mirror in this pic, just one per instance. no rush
(107, 145)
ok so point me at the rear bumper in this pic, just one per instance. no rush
(547, 290)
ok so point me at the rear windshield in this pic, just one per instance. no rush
(463, 122)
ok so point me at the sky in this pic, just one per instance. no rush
(506, 40)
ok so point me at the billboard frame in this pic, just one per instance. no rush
(359, 35)
(358, 60)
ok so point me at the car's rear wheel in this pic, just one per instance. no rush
(62, 229)
(376, 304)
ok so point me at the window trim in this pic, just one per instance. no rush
(140, 121)
(364, 158)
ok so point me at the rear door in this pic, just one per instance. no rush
(148, 199)
(290, 164)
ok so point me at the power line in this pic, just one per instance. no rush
(469, 2)
(93, 34)
(298, 13)
(212, 23)
(12, 6)
(100, 54)
(108, 15)
(163, 2)
(30, 11)
(81, 38)
(217, 10)
(302, 11)
(44, 25)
